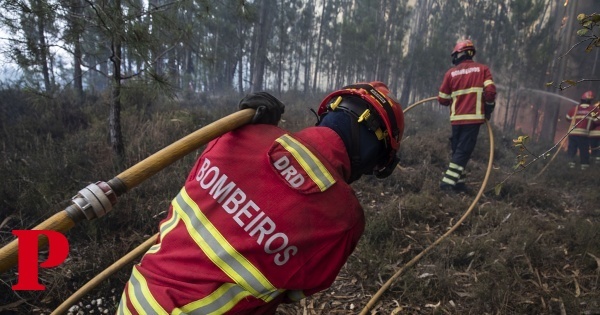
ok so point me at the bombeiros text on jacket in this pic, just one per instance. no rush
(245, 212)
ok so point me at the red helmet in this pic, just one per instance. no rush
(588, 96)
(463, 45)
(385, 105)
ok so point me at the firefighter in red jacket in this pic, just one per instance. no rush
(266, 216)
(469, 90)
(594, 136)
(582, 121)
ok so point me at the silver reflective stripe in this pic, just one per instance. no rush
(218, 302)
(169, 225)
(140, 295)
(165, 228)
(220, 252)
(308, 161)
(123, 310)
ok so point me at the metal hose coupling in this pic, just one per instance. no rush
(92, 202)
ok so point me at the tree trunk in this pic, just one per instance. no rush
(41, 26)
(263, 31)
(318, 55)
(114, 117)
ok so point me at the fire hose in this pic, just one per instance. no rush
(142, 248)
(129, 257)
(409, 264)
(97, 199)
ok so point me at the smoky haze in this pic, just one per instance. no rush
(306, 46)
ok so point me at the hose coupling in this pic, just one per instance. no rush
(93, 201)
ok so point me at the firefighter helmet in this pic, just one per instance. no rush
(387, 123)
(463, 45)
(587, 96)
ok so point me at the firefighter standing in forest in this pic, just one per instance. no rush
(582, 121)
(265, 216)
(469, 90)
(594, 129)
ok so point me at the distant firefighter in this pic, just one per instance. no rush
(579, 138)
(469, 90)
(594, 130)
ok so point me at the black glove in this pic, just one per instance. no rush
(489, 108)
(268, 108)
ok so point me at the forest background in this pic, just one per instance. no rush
(100, 85)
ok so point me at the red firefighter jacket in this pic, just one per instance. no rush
(581, 119)
(264, 217)
(466, 87)
(595, 128)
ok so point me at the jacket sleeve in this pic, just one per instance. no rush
(445, 92)
(570, 114)
(489, 88)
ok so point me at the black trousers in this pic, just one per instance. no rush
(581, 143)
(463, 141)
(595, 146)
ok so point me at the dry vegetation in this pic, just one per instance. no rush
(532, 249)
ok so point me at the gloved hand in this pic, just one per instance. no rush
(489, 108)
(268, 107)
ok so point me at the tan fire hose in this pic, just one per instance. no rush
(141, 249)
(128, 258)
(97, 199)
(99, 278)
(409, 264)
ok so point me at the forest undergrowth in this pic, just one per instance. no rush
(531, 248)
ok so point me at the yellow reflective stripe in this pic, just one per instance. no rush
(220, 252)
(169, 225)
(455, 94)
(487, 82)
(477, 90)
(308, 161)
(295, 295)
(595, 133)
(456, 166)
(579, 132)
(448, 181)
(141, 298)
(466, 117)
(444, 95)
(165, 228)
(219, 302)
(123, 310)
(453, 174)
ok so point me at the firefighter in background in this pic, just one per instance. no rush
(469, 90)
(594, 136)
(266, 216)
(582, 122)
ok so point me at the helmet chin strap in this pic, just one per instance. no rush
(355, 160)
(362, 143)
(388, 169)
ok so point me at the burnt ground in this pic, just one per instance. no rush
(529, 246)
